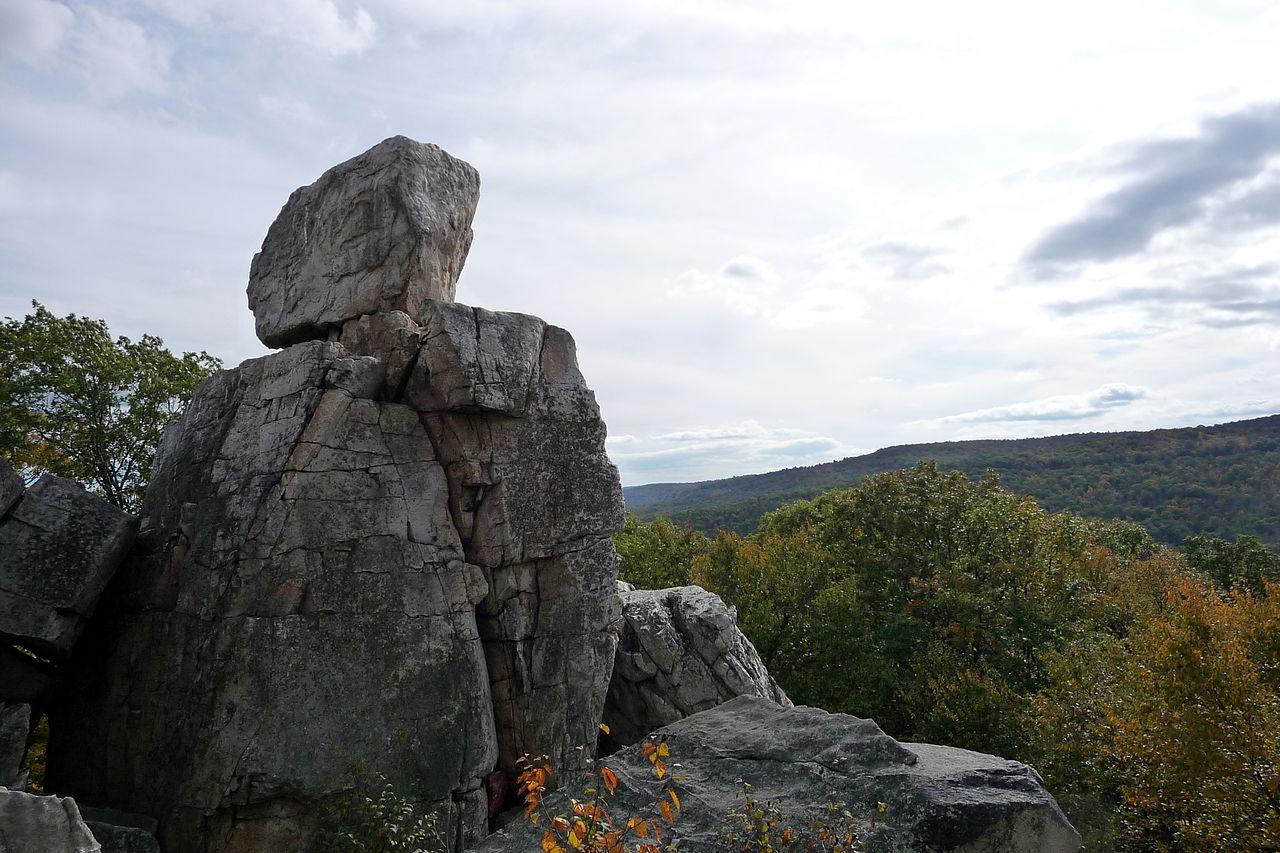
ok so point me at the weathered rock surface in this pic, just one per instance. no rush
(59, 547)
(15, 727)
(121, 832)
(680, 652)
(34, 824)
(380, 232)
(11, 487)
(385, 553)
(939, 798)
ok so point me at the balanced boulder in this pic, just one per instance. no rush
(380, 232)
(384, 550)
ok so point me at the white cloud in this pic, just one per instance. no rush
(116, 56)
(1065, 407)
(318, 24)
(32, 30)
(753, 288)
(739, 448)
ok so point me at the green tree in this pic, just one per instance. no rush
(657, 554)
(1244, 564)
(76, 402)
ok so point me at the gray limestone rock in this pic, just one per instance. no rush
(11, 487)
(35, 824)
(680, 652)
(59, 546)
(25, 678)
(337, 576)
(800, 759)
(15, 728)
(378, 233)
(121, 832)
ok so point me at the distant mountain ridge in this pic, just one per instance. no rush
(1221, 480)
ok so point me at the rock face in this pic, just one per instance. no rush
(59, 546)
(32, 824)
(680, 652)
(380, 232)
(15, 726)
(119, 832)
(385, 553)
(938, 798)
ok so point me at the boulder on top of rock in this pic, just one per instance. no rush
(380, 232)
(799, 760)
(36, 824)
(59, 546)
(680, 652)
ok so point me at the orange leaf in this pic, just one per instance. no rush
(609, 778)
(667, 813)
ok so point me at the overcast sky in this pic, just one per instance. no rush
(781, 233)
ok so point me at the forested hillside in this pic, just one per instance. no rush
(1220, 480)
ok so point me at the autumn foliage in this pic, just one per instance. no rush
(589, 824)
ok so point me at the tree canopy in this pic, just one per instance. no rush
(76, 402)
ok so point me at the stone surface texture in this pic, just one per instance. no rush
(15, 727)
(11, 487)
(380, 232)
(34, 824)
(121, 832)
(680, 652)
(386, 551)
(939, 798)
(59, 547)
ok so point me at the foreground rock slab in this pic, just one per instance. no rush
(380, 232)
(59, 547)
(35, 824)
(680, 652)
(938, 798)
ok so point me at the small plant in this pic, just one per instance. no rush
(589, 825)
(374, 818)
(764, 828)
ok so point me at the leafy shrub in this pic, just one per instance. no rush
(374, 818)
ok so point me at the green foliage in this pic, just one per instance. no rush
(921, 599)
(657, 554)
(1216, 481)
(374, 818)
(80, 404)
(1144, 683)
(1245, 564)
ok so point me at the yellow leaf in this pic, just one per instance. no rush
(604, 728)
(675, 800)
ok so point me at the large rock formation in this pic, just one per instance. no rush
(384, 552)
(680, 652)
(380, 232)
(15, 728)
(59, 546)
(801, 759)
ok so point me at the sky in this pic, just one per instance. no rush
(781, 232)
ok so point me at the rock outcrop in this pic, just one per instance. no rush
(385, 550)
(59, 546)
(380, 232)
(800, 759)
(680, 652)
(119, 832)
(15, 728)
(32, 824)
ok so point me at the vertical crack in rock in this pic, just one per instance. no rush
(384, 550)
